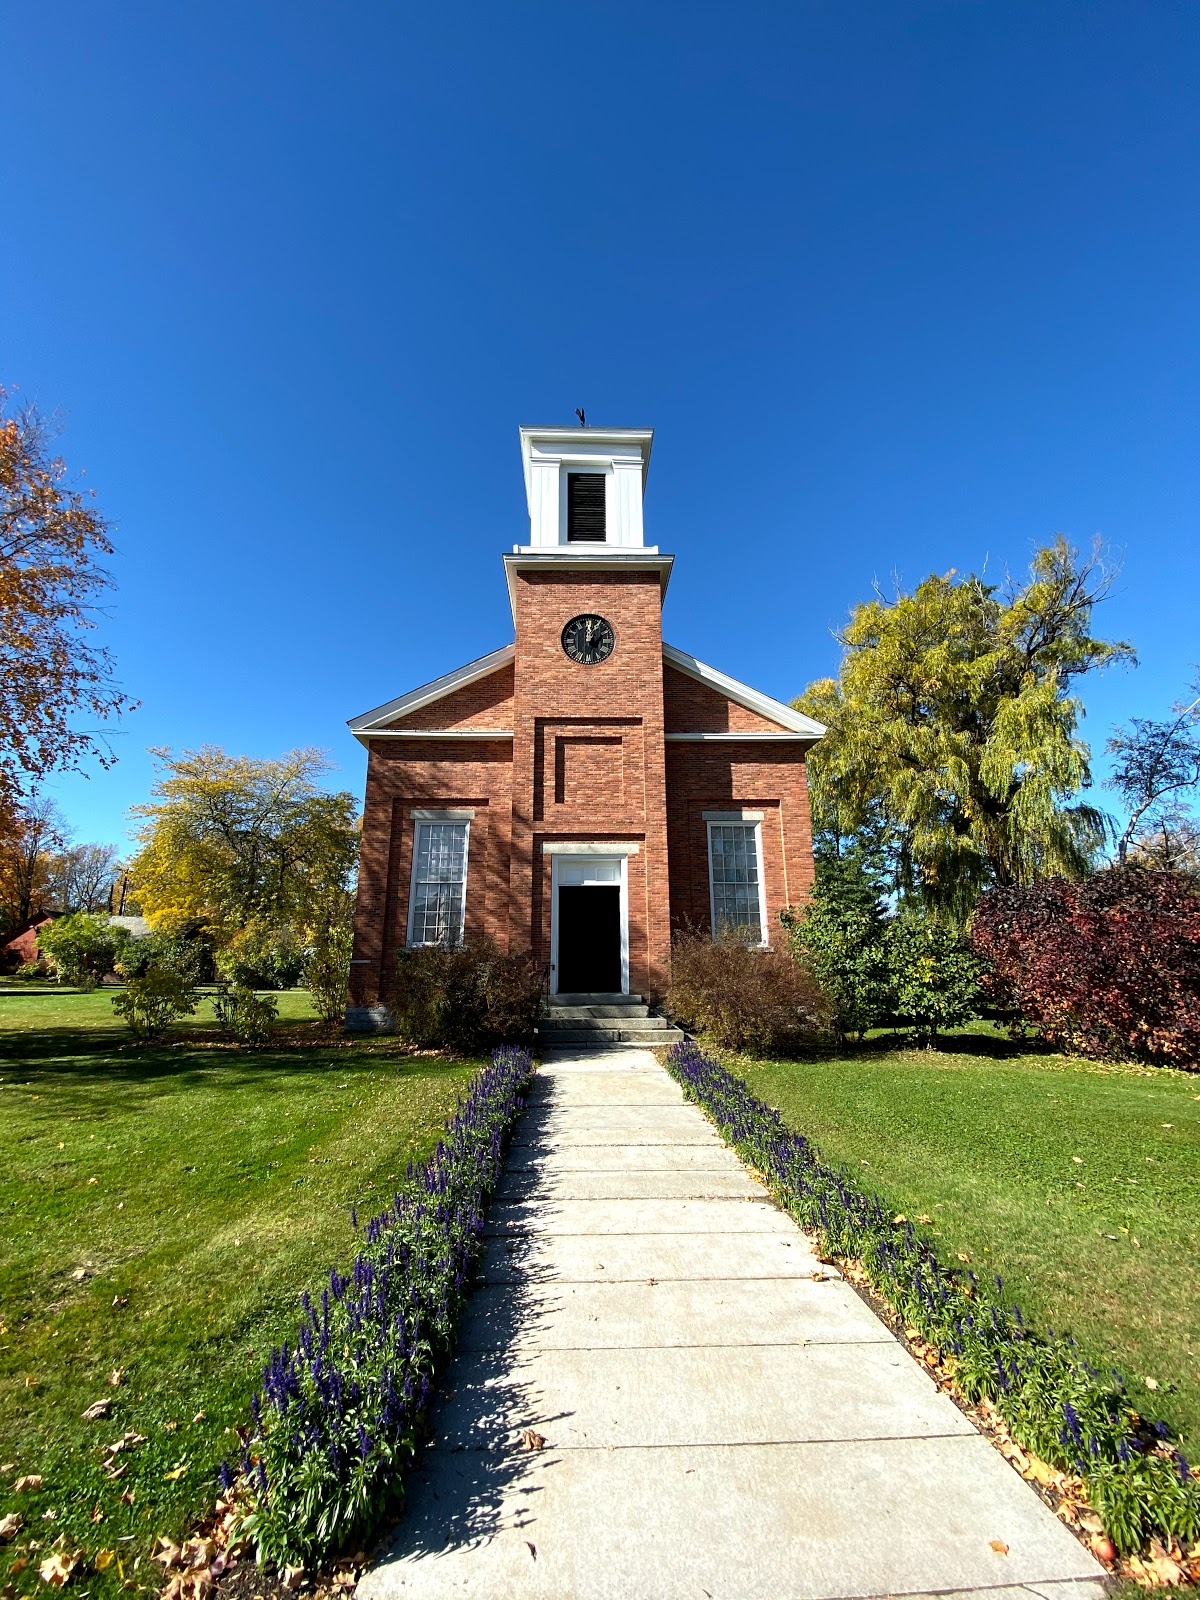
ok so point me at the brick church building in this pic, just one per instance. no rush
(587, 788)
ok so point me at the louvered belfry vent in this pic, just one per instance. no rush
(585, 507)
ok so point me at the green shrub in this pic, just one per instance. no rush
(327, 971)
(245, 1016)
(840, 934)
(262, 957)
(933, 975)
(188, 954)
(742, 997)
(32, 969)
(466, 997)
(151, 1003)
(84, 948)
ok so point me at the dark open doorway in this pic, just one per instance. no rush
(589, 939)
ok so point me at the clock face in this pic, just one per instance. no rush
(588, 640)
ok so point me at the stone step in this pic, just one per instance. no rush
(647, 1036)
(556, 1000)
(575, 1013)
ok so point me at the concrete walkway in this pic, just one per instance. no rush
(722, 1414)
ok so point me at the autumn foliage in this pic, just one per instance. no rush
(53, 540)
(1109, 967)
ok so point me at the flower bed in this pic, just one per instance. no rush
(1051, 1400)
(340, 1413)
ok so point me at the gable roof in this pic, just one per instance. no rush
(743, 694)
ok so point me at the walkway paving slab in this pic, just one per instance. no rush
(721, 1414)
(586, 1258)
(663, 1183)
(757, 1522)
(535, 1217)
(682, 1395)
(733, 1314)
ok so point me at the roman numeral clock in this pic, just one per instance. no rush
(588, 640)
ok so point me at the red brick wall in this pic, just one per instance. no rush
(692, 707)
(441, 773)
(769, 778)
(588, 753)
(486, 703)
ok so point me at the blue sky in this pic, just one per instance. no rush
(901, 286)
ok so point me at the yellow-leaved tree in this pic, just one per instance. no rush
(232, 842)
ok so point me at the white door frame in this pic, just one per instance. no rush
(575, 863)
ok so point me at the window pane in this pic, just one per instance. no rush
(439, 876)
(733, 863)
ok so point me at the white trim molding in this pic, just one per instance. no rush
(458, 814)
(435, 733)
(732, 816)
(757, 737)
(743, 695)
(436, 689)
(591, 847)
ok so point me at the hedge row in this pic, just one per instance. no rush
(1054, 1402)
(340, 1413)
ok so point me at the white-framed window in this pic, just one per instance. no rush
(735, 874)
(437, 901)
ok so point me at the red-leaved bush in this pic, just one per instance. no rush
(1108, 967)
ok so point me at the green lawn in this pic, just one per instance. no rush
(160, 1211)
(1078, 1183)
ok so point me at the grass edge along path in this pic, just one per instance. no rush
(341, 1412)
(1052, 1402)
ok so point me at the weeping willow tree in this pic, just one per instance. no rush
(953, 726)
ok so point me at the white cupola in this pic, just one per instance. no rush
(585, 486)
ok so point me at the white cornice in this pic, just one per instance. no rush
(368, 736)
(740, 738)
(565, 442)
(743, 695)
(436, 690)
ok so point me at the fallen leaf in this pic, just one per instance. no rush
(175, 1474)
(924, 1220)
(79, 1274)
(97, 1515)
(963, 1256)
(168, 1554)
(98, 1409)
(198, 1552)
(899, 1218)
(169, 1427)
(31, 1480)
(10, 1525)
(57, 1569)
(532, 1440)
(291, 1577)
(116, 1377)
(199, 1417)
(1151, 1383)
(104, 1559)
(999, 1546)
(120, 1300)
(532, 1549)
